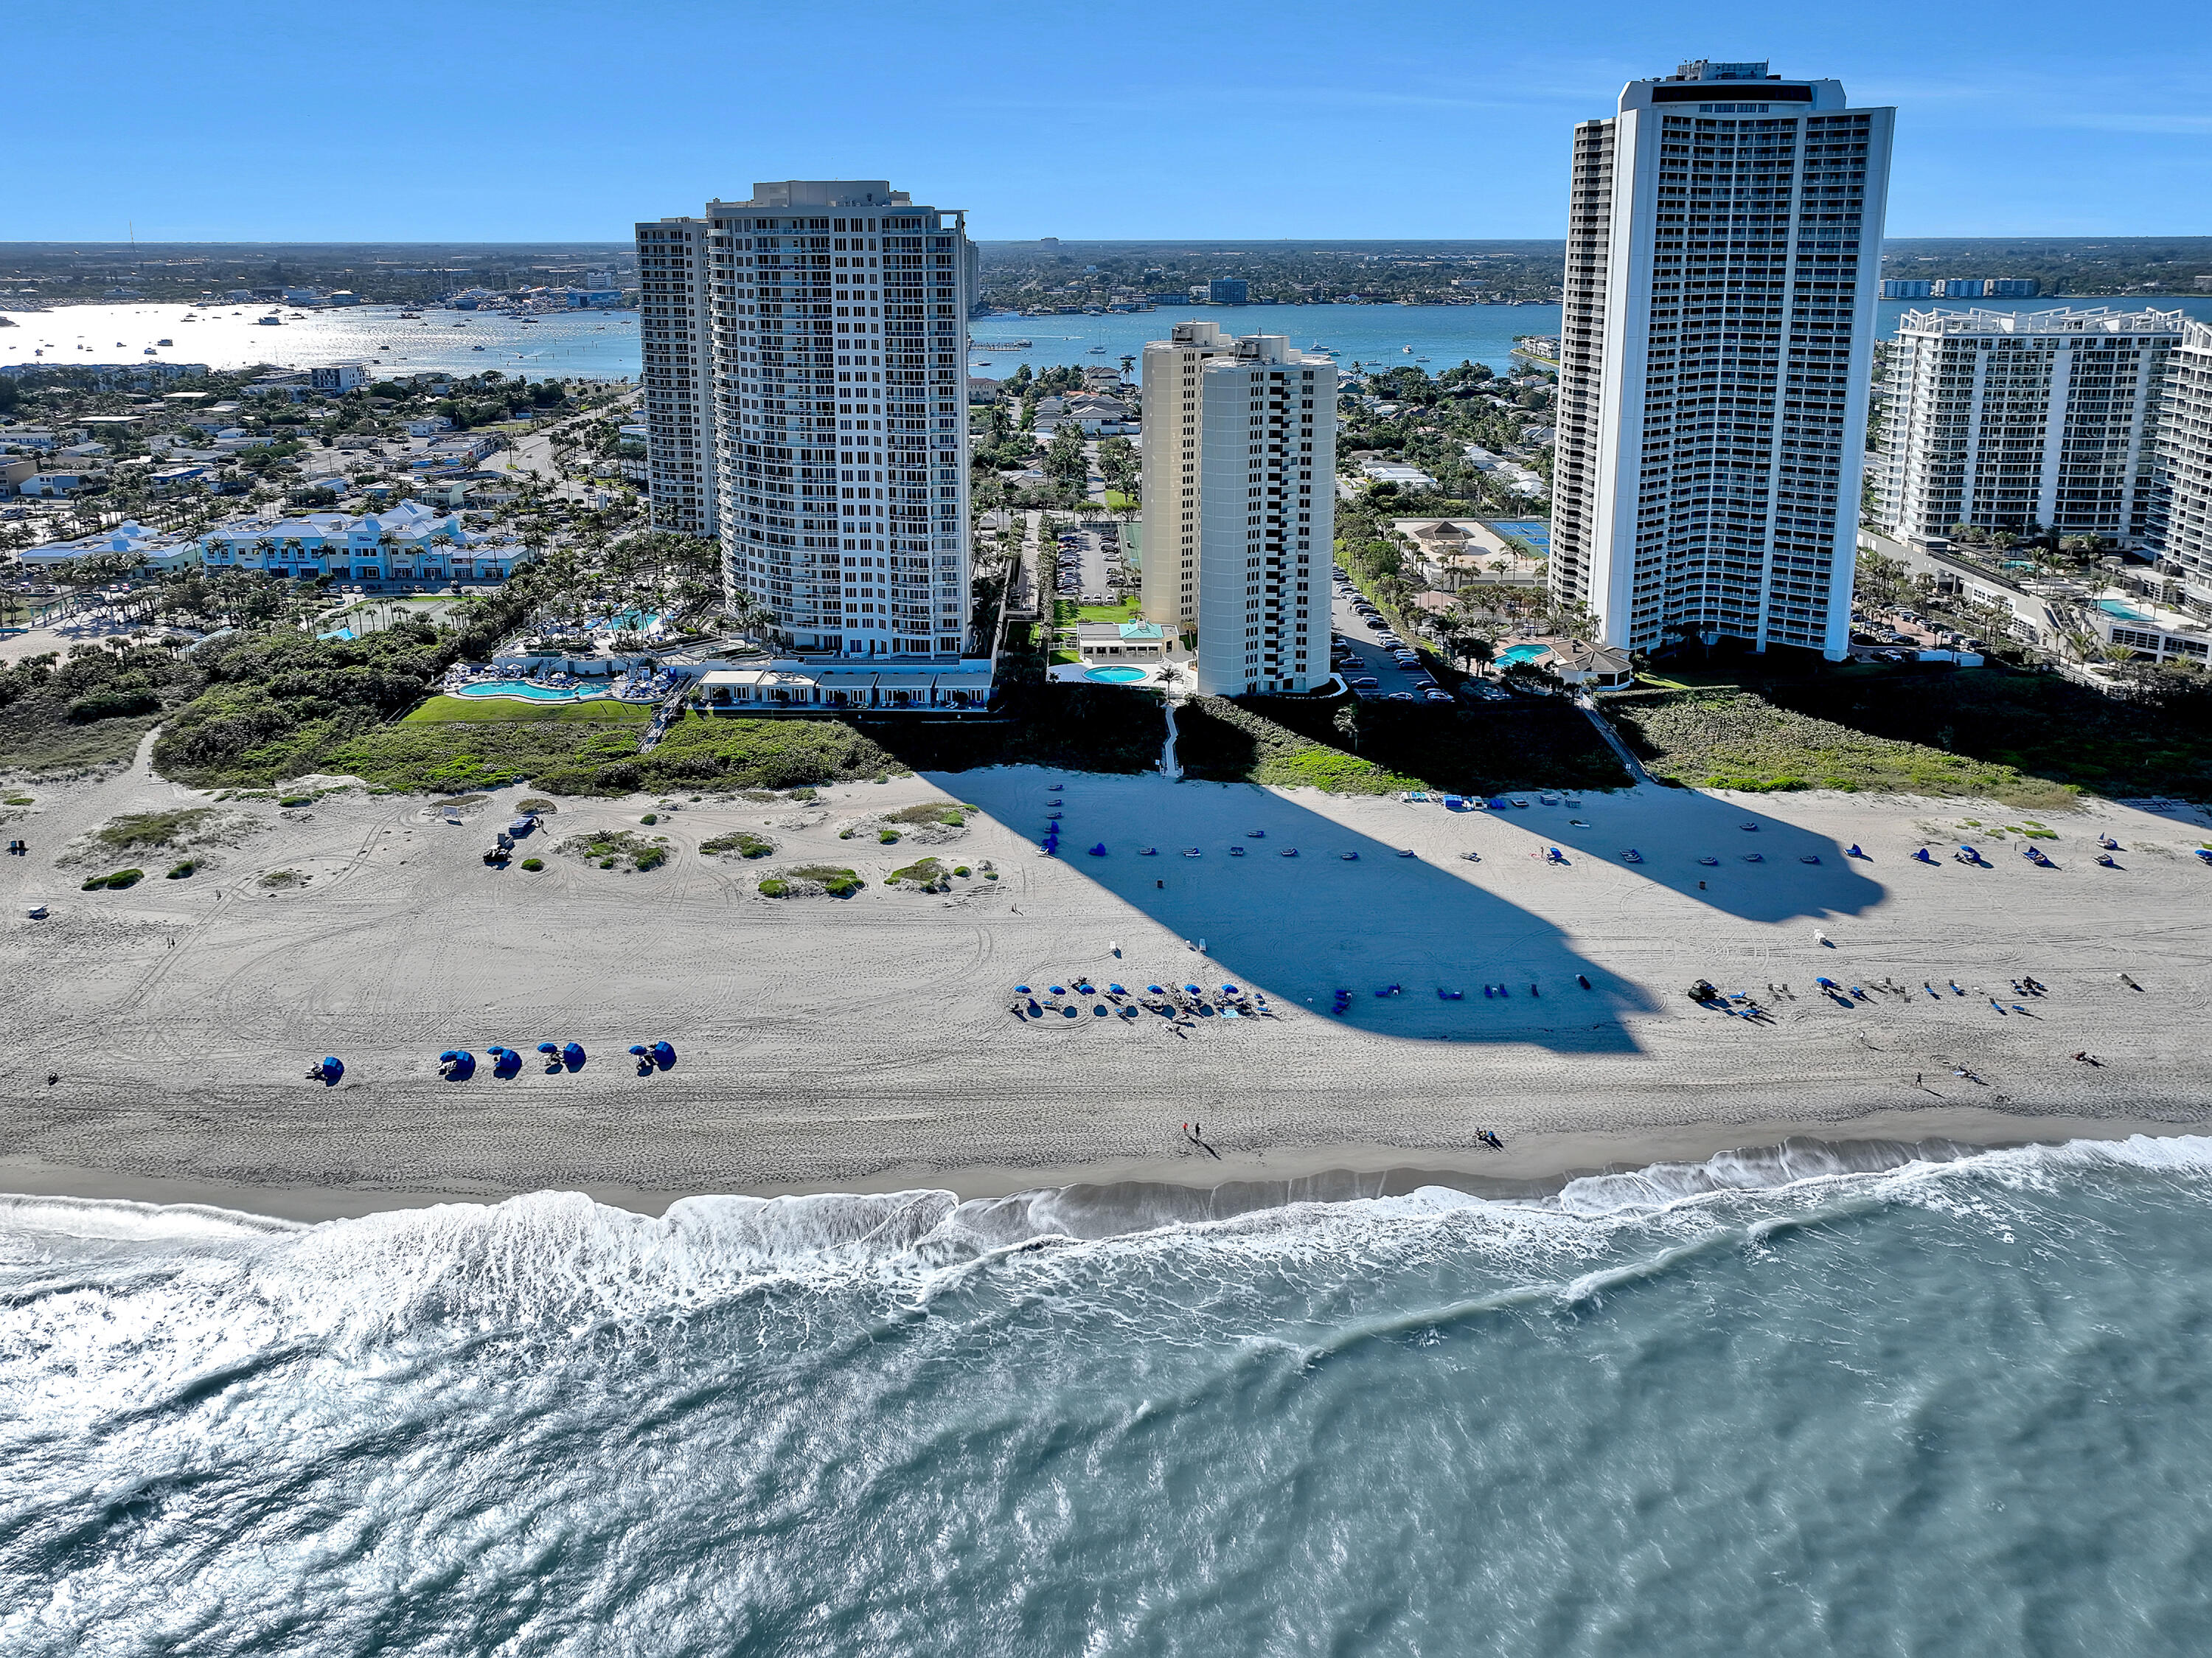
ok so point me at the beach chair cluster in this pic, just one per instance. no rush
(1184, 1004)
(558, 1058)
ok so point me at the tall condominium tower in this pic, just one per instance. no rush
(833, 432)
(676, 333)
(1723, 242)
(1267, 464)
(1171, 519)
(2003, 419)
(2181, 529)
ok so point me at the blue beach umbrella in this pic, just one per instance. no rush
(664, 1055)
(572, 1056)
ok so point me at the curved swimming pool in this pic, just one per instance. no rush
(1115, 675)
(1521, 654)
(522, 690)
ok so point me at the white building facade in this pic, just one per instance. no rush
(840, 320)
(1267, 465)
(2181, 529)
(1169, 390)
(675, 337)
(2004, 420)
(1723, 254)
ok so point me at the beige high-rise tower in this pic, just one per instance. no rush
(1172, 520)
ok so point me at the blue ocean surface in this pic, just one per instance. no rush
(1793, 1404)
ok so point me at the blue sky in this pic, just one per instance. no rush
(496, 119)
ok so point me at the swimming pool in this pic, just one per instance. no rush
(530, 693)
(2128, 612)
(1521, 654)
(1115, 675)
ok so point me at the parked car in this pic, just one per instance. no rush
(1365, 682)
(1434, 695)
(1402, 697)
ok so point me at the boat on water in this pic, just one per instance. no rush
(409, 316)
(1406, 349)
(169, 342)
(1098, 350)
(272, 320)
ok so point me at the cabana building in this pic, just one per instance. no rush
(801, 687)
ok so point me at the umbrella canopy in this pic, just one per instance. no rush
(572, 1055)
(637, 1047)
(664, 1054)
(548, 1047)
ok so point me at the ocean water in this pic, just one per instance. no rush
(1908, 1403)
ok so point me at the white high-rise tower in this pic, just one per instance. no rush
(1266, 466)
(1723, 246)
(838, 419)
(2001, 419)
(676, 340)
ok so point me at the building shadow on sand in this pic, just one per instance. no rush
(1347, 914)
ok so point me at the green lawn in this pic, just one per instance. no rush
(505, 710)
(1117, 502)
(2027, 739)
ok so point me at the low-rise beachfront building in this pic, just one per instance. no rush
(791, 686)
(155, 550)
(408, 544)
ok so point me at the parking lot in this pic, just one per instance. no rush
(1375, 661)
(1089, 557)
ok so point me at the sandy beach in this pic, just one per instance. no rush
(873, 1043)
